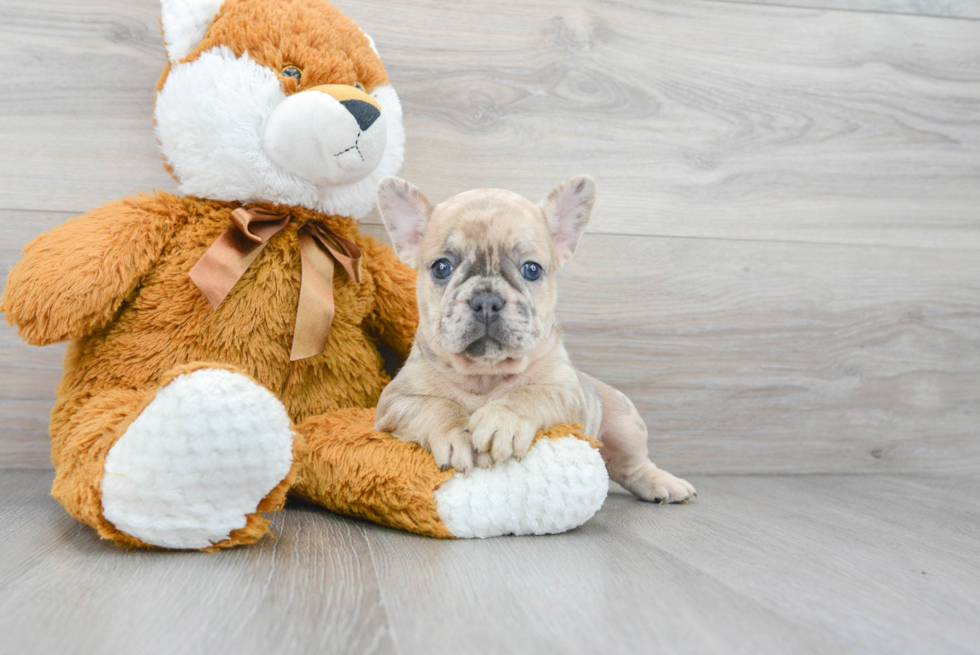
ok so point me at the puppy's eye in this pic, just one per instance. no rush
(442, 269)
(531, 271)
(359, 86)
(293, 72)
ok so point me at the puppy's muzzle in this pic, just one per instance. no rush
(487, 307)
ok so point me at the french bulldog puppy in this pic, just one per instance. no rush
(488, 368)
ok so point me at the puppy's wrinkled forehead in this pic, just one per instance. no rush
(488, 224)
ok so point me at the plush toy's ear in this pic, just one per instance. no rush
(567, 209)
(184, 24)
(371, 43)
(405, 212)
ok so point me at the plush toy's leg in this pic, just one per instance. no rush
(346, 466)
(193, 464)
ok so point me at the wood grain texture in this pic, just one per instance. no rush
(702, 119)
(76, 100)
(697, 118)
(751, 357)
(28, 375)
(793, 565)
(943, 8)
(312, 589)
(742, 357)
(803, 564)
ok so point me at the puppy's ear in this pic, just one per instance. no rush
(405, 212)
(567, 209)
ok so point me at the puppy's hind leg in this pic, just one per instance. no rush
(624, 447)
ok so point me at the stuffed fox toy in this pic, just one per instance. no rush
(225, 342)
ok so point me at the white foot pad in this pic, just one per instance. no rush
(558, 486)
(201, 456)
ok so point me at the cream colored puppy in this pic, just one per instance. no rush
(488, 368)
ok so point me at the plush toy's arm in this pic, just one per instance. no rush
(72, 280)
(396, 313)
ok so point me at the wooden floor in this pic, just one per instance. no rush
(783, 272)
(760, 564)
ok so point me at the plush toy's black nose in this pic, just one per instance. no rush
(487, 306)
(363, 112)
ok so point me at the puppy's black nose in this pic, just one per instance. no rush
(487, 306)
(365, 114)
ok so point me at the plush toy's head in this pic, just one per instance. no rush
(282, 101)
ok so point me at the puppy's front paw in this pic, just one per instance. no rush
(498, 434)
(659, 486)
(453, 449)
(450, 449)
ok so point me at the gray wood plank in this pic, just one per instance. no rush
(759, 564)
(77, 102)
(697, 118)
(885, 564)
(311, 589)
(742, 357)
(703, 119)
(24, 431)
(969, 9)
(590, 592)
(28, 375)
(35, 525)
(752, 357)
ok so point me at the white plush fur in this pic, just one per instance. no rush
(315, 137)
(201, 456)
(211, 120)
(558, 486)
(185, 23)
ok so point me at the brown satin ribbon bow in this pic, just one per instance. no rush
(227, 259)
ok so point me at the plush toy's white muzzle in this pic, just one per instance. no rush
(329, 135)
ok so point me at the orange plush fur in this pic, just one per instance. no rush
(327, 45)
(137, 320)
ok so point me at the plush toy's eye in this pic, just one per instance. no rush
(442, 269)
(359, 85)
(531, 271)
(293, 72)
